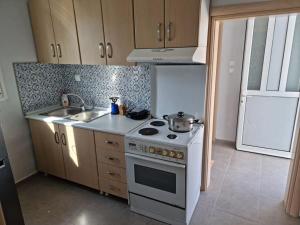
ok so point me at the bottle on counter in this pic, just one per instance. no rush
(114, 105)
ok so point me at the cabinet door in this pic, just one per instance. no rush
(118, 30)
(149, 23)
(64, 25)
(47, 148)
(90, 31)
(182, 23)
(2, 219)
(43, 31)
(80, 156)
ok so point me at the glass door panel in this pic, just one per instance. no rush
(277, 52)
(293, 82)
(257, 52)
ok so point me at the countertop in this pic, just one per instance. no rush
(115, 124)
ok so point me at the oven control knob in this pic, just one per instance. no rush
(151, 149)
(165, 152)
(179, 155)
(172, 154)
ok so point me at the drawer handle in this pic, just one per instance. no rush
(111, 173)
(113, 188)
(112, 158)
(111, 143)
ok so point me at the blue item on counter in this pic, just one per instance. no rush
(114, 109)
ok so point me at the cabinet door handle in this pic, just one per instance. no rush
(59, 50)
(169, 31)
(109, 50)
(56, 137)
(63, 139)
(159, 32)
(101, 48)
(2, 164)
(53, 50)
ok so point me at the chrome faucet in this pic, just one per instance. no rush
(82, 101)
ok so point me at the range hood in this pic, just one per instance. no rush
(192, 55)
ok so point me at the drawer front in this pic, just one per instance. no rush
(108, 172)
(109, 141)
(112, 158)
(115, 188)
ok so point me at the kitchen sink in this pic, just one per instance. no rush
(77, 114)
(88, 116)
(64, 112)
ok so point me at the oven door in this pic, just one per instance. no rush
(157, 179)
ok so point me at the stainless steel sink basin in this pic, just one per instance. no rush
(77, 114)
(63, 112)
(88, 116)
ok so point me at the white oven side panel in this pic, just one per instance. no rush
(194, 170)
(177, 199)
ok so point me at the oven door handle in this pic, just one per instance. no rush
(156, 160)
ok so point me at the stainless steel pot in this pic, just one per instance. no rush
(180, 122)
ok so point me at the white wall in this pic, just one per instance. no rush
(230, 79)
(178, 88)
(16, 45)
(230, 2)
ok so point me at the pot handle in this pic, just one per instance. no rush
(166, 117)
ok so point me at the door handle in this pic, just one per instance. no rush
(159, 32)
(56, 137)
(58, 47)
(169, 31)
(109, 50)
(63, 139)
(53, 50)
(101, 48)
(2, 164)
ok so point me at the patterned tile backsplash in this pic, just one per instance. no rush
(41, 85)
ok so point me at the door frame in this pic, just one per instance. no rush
(239, 11)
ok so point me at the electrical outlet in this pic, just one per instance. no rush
(77, 78)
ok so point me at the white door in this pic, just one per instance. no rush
(269, 99)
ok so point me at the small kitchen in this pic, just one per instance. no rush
(121, 115)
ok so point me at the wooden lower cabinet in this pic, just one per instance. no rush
(47, 148)
(111, 164)
(79, 156)
(65, 152)
(92, 159)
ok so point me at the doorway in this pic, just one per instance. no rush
(257, 100)
(252, 185)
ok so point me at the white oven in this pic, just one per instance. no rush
(156, 179)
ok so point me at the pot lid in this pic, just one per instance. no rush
(181, 115)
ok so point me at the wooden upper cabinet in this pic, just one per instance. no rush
(118, 29)
(65, 31)
(43, 31)
(149, 23)
(90, 31)
(79, 155)
(182, 23)
(48, 152)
